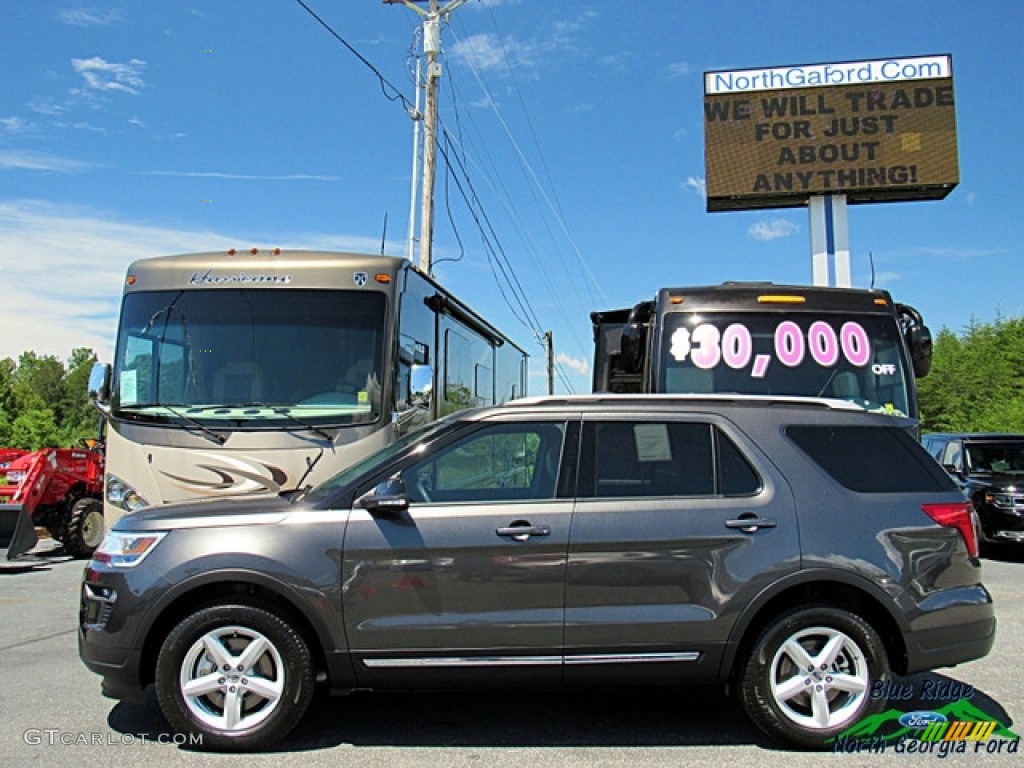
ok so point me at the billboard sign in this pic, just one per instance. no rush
(879, 130)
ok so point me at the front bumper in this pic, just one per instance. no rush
(105, 642)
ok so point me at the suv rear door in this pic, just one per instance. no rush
(679, 523)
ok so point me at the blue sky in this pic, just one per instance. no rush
(143, 128)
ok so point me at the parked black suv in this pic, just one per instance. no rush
(989, 466)
(800, 551)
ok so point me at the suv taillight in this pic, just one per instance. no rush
(959, 515)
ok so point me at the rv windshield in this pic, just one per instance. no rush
(250, 358)
(793, 353)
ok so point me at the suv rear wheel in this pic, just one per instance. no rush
(235, 675)
(810, 675)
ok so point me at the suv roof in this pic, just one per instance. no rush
(681, 399)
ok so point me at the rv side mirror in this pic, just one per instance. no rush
(99, 382)
(388, 498)
(421, 385)
(921, 350)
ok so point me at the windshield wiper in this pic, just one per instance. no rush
(301, 490)
(207, 432)
(282, 410)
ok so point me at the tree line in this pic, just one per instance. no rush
(976, 384)
(44, 402)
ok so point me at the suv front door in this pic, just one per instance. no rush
(470, 579)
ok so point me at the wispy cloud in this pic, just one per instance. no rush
(103, 75)
(679, 69)
(64, 288)
(87, 17)
(960, 253)
(242, 176)
(697, 184)
(576, 364)
(28, 160)
(13, 124)
(772, 230)
(487, 53)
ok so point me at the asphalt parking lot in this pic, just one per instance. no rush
(54, 715)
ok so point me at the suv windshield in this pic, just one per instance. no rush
(995, 458)
(250, 357)
(798, 353)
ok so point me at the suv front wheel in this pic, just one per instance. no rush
(235, 676)
(810, 675)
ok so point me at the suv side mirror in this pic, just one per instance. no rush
(388, 498)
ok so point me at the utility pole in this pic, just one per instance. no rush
(549, 346)
(432, 50)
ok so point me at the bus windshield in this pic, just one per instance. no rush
(860, 358)
(250, 358)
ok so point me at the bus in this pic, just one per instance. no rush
(258, 372)
(762, 338)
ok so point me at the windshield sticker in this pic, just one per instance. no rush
(129, 387)
(706, 346)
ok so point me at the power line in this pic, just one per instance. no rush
(496, 255)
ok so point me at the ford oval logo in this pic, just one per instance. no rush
(921, 719)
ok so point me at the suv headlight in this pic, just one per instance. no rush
(128, 549)
(1001, 500)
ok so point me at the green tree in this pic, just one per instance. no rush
(44, 403)
(977, 379)
(35, 429)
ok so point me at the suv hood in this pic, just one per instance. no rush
(996, 480)
(209, 514)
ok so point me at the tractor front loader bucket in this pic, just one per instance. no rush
(17, 532)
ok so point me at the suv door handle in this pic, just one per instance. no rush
(750, 524)
(524, 531)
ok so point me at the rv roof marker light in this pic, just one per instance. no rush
(677, 300)
(232, 251)
(254, 251)
(382, 277)
(276, 251)
(881, 302)
(780, 299)
(130, 280)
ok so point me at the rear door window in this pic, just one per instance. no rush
(662, 458)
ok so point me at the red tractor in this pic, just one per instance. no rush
(60, 489)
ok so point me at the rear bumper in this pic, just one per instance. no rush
(952, 644)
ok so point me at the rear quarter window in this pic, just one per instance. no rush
(871, 459)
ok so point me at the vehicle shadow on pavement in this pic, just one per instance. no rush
(1006, 553)
(537, 719)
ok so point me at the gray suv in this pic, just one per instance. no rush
(798, 551)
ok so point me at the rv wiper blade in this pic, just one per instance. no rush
(207, 432)
(301, 489)
(281, 410)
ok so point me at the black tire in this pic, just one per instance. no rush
(84, 529)
(806, 706)
(282, 672)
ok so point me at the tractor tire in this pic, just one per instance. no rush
(84, 530)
